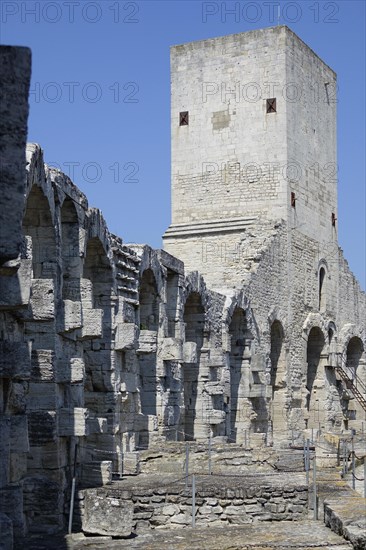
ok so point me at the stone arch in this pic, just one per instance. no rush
(149, 304)
(278, 376)
(99, 380)
(194, 282)
(354, 354)
(70, 250)
(241, 301)
(149, 301)
(239, 362)
(194, 323)
(315, 382)
(38, 226)
(98, 270)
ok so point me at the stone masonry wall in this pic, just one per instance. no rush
(171, 506)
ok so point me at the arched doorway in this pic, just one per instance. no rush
(100, 372)
(38, 225)
(355, 368)
(194, 320)
(71, 260)
(239, 359)
(278, 378)
(315, 379)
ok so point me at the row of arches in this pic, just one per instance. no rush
(247, 406)
(242, 402)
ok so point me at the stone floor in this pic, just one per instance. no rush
(283, 535)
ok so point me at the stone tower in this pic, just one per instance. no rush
(253, 143)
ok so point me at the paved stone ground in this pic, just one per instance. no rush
(285, 535)
(305, 535)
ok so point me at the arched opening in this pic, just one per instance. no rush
(149, 326)
(149, 302)
(356, 370)
(100, 369)
(172, 301)
(98, 270)
(315, 380)
(43, 396)
(322, 289)
(71, 261)
(239, 358)
(278, 377)
(38, 225)
(194, 320)
(353, 356)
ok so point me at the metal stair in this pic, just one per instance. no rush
(353, 384)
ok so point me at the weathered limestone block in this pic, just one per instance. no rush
(147, 422)
(131, 463)
(215, 416)
(71, 371)
(73, 421)
(126, 336)
(190, 352)
(42, 396)
(19, 434)
(100, 401)
(4, 449)
(50, 456)
(107, 515)
(214, 388)
(72, 315)
(18, 467)
(15, 287)
(257, 390)
(43, 502)
(127, 421)
(6, 530)
(15, 360)
(42, 333)
(96, 473)
(11, 504)
(17, 399)
(92, 323)
(42, 302)
(147, 341)
(86, 293)
(42, 362)
(258, 362)
(171, 350)
(130, 382)
(42, 427)
(97, 425)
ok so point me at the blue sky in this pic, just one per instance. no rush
(100, 101)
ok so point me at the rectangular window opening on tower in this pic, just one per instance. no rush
(293, 199)
(183, 118)
(271, 105)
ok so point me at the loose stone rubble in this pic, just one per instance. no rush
(235, 331)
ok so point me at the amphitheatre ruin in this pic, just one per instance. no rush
(210, 394)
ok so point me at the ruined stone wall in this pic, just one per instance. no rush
(234, 502)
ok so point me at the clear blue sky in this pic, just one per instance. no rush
(100, 95)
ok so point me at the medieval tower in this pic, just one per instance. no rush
(253, 142)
